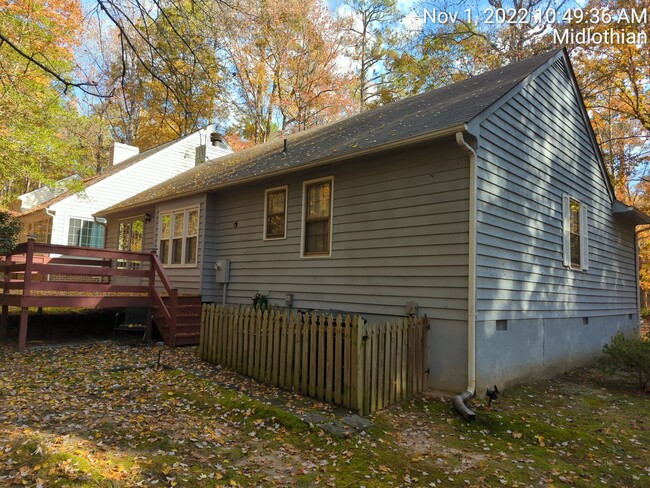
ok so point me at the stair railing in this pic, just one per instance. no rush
(170, 313)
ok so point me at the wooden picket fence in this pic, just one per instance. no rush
(339, 359)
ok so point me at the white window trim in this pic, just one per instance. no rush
(83, 219)
(171, 212)
(129, 220)
(566, 234)
(286, 207)
(302, 217)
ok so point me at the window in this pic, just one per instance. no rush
(130, 239)
(317, 217)
(275, 213)
(42, 229)
(576, 251)
(85, 233)
(179, 232)
(130, 235)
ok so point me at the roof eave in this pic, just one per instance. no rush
(630, 213)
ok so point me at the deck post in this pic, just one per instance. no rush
(22, 331)
(27, 282)
(4, 318)
(173, 313)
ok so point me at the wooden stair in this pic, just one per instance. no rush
(188, 321)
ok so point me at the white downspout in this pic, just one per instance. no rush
(459, 401)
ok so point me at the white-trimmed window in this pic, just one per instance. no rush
(42, 229)
(130, 234)
(129, 238)
(179, 237)
(317, 203)
(576, 236)
(85, 233)
(275, 213)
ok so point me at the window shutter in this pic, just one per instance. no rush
(584, 237)
(566, 231)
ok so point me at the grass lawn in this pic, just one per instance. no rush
(102, 415)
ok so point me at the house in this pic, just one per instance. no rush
(63, 213)
(484, 204)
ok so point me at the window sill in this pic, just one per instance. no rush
(316, 255)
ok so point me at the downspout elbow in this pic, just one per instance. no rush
(461, 407)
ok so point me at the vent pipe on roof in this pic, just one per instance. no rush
(217, 140)
(284, 149)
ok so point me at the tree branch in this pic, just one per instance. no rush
(67, 83)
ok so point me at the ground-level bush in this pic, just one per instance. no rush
(629, 356)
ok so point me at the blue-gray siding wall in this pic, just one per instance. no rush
(400, 233)
(533, 150)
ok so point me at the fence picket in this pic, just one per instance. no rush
(387, 362)
(277, 330)
(297, 350)
(304, 368)
(283, 350)
(379, 365)
(313, 351)
(425, 352)
(320, 366)
(349, 362)
(338, 365)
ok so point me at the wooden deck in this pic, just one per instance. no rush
(50, 275)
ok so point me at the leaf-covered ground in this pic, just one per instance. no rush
(103, 415)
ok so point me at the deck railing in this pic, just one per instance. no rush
(51, 275)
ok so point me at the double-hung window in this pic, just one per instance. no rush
(575, 234)
(317, 217)
(179, 232)
(85, 233)
(275, 213)
(42, 229)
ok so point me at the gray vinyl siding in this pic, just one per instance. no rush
(399, 234)
(534, 150)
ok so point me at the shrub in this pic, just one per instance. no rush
(629, 356)
(9, 229)
(260, 301)
(645, 313)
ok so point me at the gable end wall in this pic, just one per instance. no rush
(532, 151)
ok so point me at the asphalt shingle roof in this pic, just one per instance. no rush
(419, 115)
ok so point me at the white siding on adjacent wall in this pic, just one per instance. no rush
(121, 185)
(534, 150)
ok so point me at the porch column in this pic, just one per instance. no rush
(4, 318)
